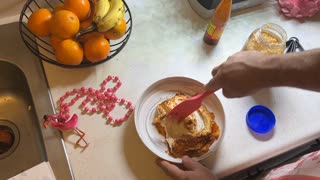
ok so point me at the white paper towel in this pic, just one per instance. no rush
(42, 171)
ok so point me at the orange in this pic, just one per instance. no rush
(69, 52)
(117, 32)
(64, 24)
(86, 23)
(84, 38)
(38, 22)
(80, 7)
(96, 48)
(55, 40)
(58, 8)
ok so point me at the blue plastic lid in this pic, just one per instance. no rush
(260, 119)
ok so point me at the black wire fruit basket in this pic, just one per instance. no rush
(41, 46)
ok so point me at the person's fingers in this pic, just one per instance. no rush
(226, 93)
(213, 85)
(215, 70)
(190, 163)
(230, 94)
(171, 169)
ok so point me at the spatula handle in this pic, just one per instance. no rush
(205, 94)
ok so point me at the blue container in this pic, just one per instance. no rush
(260, 119)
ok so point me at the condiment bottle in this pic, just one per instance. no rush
(269, 39)
(218, 21)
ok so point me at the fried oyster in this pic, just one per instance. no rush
(188, 136)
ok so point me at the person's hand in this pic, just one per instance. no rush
(193, 170)
(242, 74)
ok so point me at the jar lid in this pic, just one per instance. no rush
(260, 119)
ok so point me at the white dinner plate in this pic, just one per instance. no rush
(162, 90)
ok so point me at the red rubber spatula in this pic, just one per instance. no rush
(188, 106)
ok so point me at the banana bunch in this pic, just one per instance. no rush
(108, 13)
(101, 8)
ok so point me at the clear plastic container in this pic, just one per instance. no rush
(269, 39)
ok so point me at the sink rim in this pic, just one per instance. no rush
(16, 53)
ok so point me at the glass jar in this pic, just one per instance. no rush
(269, 39)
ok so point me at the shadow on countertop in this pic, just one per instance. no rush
(264, 97)
(140, 159)
(59, 76)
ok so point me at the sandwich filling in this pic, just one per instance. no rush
(191, 136)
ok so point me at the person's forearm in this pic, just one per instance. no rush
(301, 70)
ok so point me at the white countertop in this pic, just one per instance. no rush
(167, 41)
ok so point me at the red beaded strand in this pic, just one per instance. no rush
(103, 101)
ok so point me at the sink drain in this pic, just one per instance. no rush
(9, 138)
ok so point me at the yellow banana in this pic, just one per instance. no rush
(113, 17)
(101, 8)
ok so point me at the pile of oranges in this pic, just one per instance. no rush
(64, 22)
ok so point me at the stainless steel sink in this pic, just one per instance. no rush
(24, 99)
